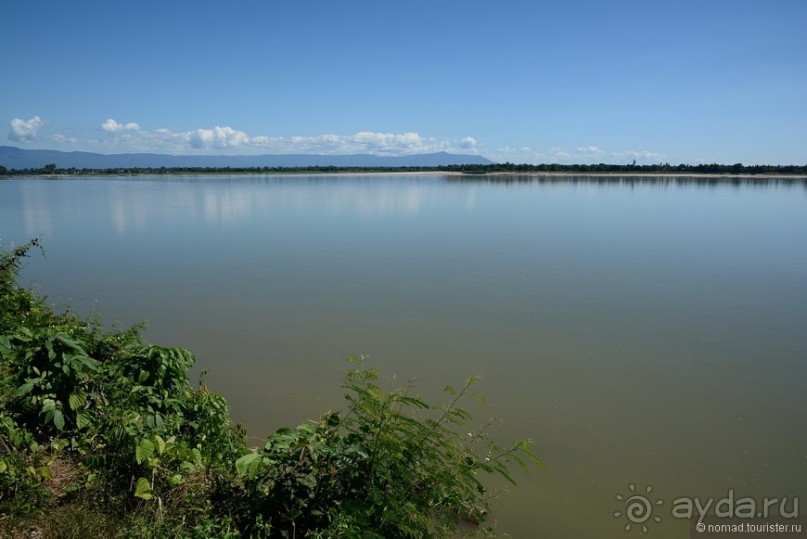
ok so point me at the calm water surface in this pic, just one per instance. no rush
(646, 333)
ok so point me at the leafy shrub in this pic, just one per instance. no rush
(101, 420)
(122, 411)
(392, 466)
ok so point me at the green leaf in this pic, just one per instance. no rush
(89, 363)
(160, 443)
(59, 443)
(48, 405)
(248, 464)
(24, 389)
(77, 399)
(58, 419)
(460, 414)
(44, 471)
(143, 489)
(414, 401)
(65, 339)
(82, 419)
(176, 479)
(144, 450)
(3, 466)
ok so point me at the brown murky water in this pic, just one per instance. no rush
(640, 332)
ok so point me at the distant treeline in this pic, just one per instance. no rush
(601, 168)
(52, 169)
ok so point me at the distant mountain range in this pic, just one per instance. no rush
(18, 158)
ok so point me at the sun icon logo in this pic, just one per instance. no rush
(638, 508)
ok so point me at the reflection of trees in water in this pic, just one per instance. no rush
(660, 168)
(630, 180)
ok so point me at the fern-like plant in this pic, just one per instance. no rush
(391, 465)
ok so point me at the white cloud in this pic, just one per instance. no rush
(559, 153)
(63, 139)
(114, 127)
(581, 155)
(590, 150)
(386, 141)
(644, 155)
(25, 130)
(363, 142)
(122, 138)
(218, 137)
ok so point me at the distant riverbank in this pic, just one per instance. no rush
(489, 176)
(713, 170)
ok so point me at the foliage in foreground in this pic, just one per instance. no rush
(102, 435)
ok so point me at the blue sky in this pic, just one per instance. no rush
(520, 81)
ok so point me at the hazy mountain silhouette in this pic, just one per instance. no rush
(17, 158)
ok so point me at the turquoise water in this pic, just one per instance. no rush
(640, 332)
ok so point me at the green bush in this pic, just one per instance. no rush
(390, 466)
(100, 423)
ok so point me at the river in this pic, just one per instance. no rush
(641, 331)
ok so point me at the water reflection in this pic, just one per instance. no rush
(224, 207)
(632, 180)
(230, 199)
(135, 205)
(33, 203)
